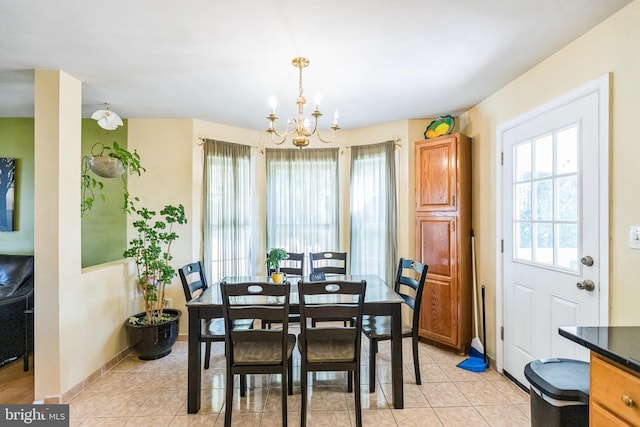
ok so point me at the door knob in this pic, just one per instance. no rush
(586, 285)
(587, 260)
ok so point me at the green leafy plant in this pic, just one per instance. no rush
(274, 257)
(92, 187)
(151, 251)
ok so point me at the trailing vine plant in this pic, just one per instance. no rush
(92, 187)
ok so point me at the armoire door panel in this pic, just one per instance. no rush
(438, 320)
(437, 245)
(436, 185)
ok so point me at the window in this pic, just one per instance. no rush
(227, 210)
(373, 210)
(545, 179)
(302, 199)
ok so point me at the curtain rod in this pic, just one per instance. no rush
(203, 139)
(395, 139)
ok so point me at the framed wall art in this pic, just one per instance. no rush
(7, 192)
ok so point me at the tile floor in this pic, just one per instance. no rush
(154, 393)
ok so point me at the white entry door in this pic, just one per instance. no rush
(554, 227)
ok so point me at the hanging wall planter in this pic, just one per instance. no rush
(107, 162)
(105, 166)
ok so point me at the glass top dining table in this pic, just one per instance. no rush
(380, 300)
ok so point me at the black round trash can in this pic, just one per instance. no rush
(559, 392)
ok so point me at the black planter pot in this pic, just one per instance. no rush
(154, 341)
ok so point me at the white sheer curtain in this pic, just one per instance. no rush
(302, 200)
(374, 236)
(227, 208)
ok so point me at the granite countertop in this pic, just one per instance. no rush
(618, 343)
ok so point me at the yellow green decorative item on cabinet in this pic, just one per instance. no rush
(443, 125)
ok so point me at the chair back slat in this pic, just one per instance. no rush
(274, 313)
(292, 266)
(193, 279)
(319, 333)
(411, 274)
(328, 262)
(409, 282)
(256, 335)
(333, 312)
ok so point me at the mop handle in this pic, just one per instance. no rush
(484, 329)
(473, 272)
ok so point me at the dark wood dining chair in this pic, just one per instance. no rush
(409, 284)
(331, 348)
(328, 262)
(257, 351)
(293, 265)
(194, 282)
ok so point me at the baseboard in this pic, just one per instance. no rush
(68, 395)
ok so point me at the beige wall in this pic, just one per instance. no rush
(166, 151)
(609, 48)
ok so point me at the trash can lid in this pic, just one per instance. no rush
(562, 379)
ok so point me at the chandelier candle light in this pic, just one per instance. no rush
(300, 126)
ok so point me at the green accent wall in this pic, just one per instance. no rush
(104, 229)
(17, 141)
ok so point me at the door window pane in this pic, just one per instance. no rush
(567, 245)
(543, 165)
(522, 201)
(567, 198)
(545, 199)
(523, 241)
(543, 235)
(568, 150)
(522, 162)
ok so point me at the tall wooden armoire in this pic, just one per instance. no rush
(443, 238)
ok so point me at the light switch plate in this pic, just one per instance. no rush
(634, 237)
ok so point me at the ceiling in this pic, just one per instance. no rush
(218, 60)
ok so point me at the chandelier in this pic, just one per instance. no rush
(107, 119)
(300, 128)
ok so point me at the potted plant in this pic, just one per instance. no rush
(274, 257)
(153, 332)
(109, 162)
